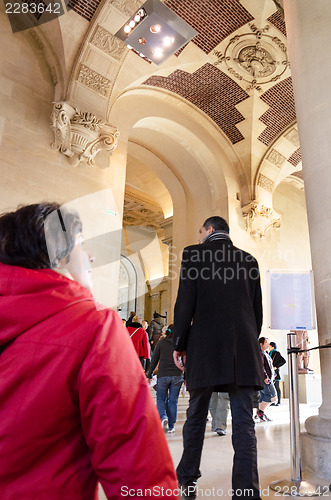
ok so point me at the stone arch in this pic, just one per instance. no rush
(185, 150)
(282, 159)
(127, 289)
(190, 129)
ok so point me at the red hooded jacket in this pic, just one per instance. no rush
(139, 339)
(74, 404)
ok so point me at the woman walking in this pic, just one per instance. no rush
(169, 381)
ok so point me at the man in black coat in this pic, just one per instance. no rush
(218, 318)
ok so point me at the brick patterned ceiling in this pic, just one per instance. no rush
(85, 8)
(295, 158)
(214, 20)
(277, 20)
(212, 91)
(281, 113)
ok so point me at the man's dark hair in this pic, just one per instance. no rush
(262, 340)
(217, 223)
(273, 344)
(38, 236)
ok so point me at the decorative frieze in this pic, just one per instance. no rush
(108, 43)
(266, 183)
(80, 135)
(129, 7)
(293, 136)
(94, 81)
(276, 158)
(259, 219)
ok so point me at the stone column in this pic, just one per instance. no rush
(308, 30)
(167, 226)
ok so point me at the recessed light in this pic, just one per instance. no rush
(155, 28)
(168, 40)
(158, 52)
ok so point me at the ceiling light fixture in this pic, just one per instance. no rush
(158, 53)
(163, 32)
(155, 28)
(168, 41)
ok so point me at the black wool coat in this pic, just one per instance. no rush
(218, 316)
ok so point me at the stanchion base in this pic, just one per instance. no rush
(288, 487)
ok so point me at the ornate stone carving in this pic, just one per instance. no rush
(276, 158)
(109, 43)
(266, 183)
(257, 61)
(293, 136)
(80, 135)
(129, 7)
(94, 81)
(260, 218)
(256, 57)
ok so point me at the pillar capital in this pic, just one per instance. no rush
(260, 218)
(80, 135)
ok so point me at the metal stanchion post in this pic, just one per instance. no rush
(295, 486)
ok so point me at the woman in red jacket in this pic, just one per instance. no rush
(75, 407)
(139, 339)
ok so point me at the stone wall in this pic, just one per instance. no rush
(31, 171)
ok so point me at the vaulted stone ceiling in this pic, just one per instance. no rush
(236, 71)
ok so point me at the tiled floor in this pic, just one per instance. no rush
(273, 453)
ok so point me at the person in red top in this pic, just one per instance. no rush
(75, 407)
(139, 339)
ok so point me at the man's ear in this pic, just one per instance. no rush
(211, 229)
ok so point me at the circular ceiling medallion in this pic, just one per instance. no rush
(257, 61)
(256, 58)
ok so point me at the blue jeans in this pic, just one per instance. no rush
(167, 397)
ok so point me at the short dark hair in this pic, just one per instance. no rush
(38, 236)
(262, 340)
(217, 223)
(273, 344)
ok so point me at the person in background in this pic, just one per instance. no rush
(268, 393)
(144, 324)
(219, 408)
(277, 361)
(155, 329)
(169, 381)
(139, 339)
(130, 318)
(75, 407)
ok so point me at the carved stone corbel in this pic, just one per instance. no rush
(80, 135)
(260, 218)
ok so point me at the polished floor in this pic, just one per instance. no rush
(273, 440)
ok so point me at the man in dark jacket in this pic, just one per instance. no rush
(218, 317)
